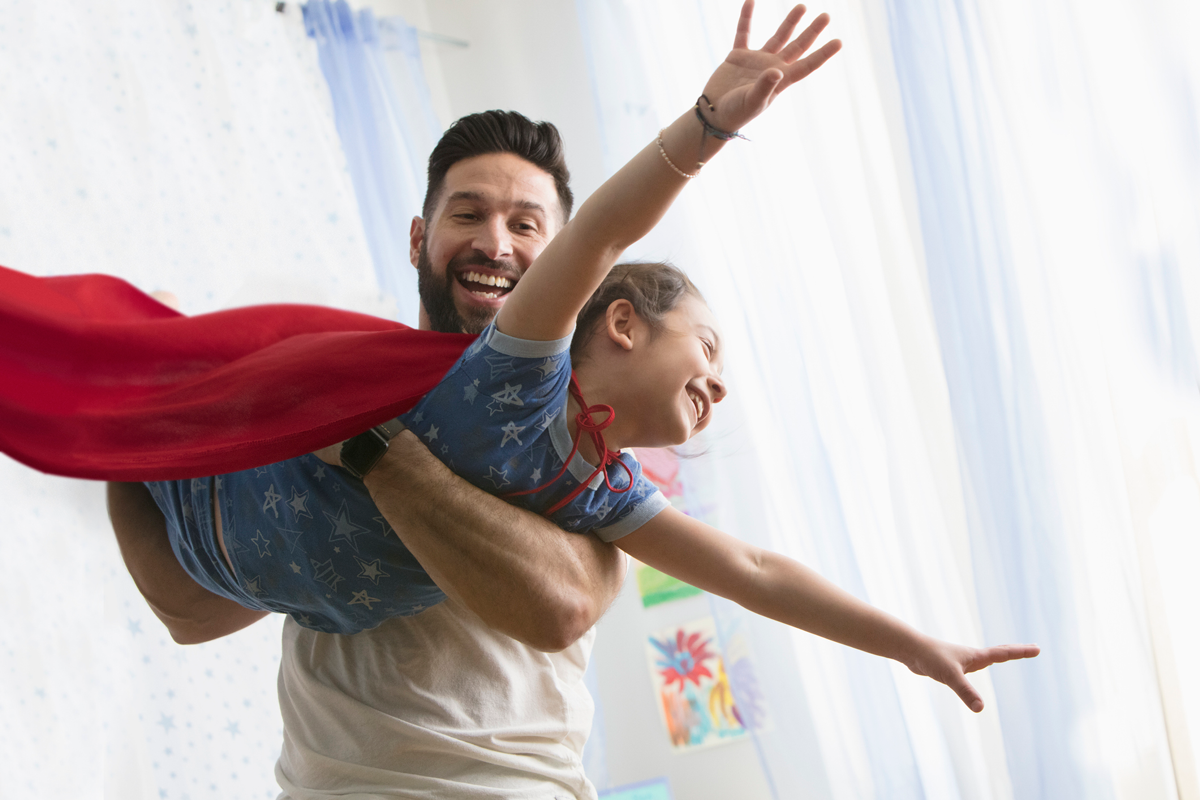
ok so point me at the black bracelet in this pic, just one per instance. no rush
(716, 133)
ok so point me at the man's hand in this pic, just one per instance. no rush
(749, 80)
(950, 663)
(517, 571)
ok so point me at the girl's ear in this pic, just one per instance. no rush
(619, 321)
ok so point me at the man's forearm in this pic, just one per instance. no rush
(191, 613)
(519, 572)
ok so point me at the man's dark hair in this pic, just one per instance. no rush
(539, 143)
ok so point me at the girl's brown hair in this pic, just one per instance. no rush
(653, 288)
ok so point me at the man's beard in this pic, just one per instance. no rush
(437, 297)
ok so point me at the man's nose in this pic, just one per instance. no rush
(494, 239)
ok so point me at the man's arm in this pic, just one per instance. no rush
(522, 575)
(519, 572)
(191, 613)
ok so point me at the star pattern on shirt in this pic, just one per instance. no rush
(262, 543)
(299, 504)
(510, 433)
(509, 394)
(470, 393)
(187, 511)
(431, 434)
(499, 478)
(253, 586)
(271, 499)
(418, 418)
(603, 509)
(363, 599)
(198, 485)
(536, 475)
(500, 364)
(295, 567)
(325, 573)
(546, 420)
(371, 570)
(343, 529)
(383, 524)
(290, 538)
(319, 474)
(547, 367)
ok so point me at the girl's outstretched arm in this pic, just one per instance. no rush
(546, 300)
(785, 590)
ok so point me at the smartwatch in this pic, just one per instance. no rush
(362, 452)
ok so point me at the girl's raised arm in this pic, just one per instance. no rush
(546, 300)
(785, 590)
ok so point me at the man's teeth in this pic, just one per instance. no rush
(488, 280)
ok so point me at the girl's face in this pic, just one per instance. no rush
(678, 376)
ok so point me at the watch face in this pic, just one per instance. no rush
(362, 452)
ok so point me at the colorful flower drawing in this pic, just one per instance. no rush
(683, 658)
(701, 703)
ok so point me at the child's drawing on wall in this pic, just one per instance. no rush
(695, 698)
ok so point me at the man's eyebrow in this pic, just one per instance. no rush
(479, 197)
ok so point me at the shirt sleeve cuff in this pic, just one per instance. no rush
(527, 348)
(643, 513)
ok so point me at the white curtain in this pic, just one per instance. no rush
(957, 273)
(188, 147)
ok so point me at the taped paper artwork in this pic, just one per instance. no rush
(691, 679)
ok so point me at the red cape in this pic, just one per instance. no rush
(98, 380)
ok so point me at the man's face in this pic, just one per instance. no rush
(495, 214)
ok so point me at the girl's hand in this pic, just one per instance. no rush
(748, 80)
(949, 664)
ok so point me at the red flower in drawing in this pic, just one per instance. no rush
(683, 659)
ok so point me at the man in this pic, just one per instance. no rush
(482, 695)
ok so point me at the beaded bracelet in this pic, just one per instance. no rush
(716, 133)
(662, 151)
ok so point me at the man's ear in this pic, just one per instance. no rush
(416, 235)
(620, 320)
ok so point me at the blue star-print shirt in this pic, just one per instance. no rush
(305, 538)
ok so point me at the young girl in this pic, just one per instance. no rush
(304, 539)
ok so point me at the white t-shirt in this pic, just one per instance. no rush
(437, 705)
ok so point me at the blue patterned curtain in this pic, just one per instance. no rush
(387, 126)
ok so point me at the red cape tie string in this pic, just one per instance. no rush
(596, 430)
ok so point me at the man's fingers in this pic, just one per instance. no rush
(741, 39)
(776, 42)
(811, 63)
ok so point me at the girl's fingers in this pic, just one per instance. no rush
(811, 63)
(966, 692)
(1008, 652)
(805, 40)
(741, 39)
(764, 87)
(776, 42)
